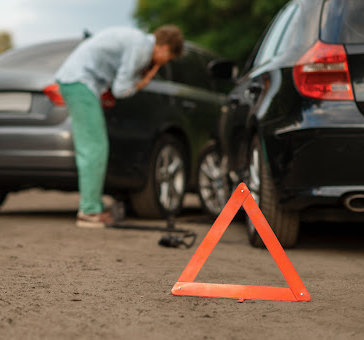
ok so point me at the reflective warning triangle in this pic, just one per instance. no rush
(241, 198)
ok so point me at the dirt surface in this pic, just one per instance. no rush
(61, 282)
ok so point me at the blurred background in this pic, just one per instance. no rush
(230, 27)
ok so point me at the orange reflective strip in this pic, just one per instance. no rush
(233, 291)
(275, 248)
(241, 197)
(213, 236)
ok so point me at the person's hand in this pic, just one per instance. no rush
(108, 100)
(153, 71)
(148, 77)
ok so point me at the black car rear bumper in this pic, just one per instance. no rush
(319, 159)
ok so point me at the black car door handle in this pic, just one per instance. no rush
(187, 104)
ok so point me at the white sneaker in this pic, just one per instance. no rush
(99, 220)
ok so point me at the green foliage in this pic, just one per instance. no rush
(230, 27)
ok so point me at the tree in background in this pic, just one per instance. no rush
(230, 27)
(5, 41)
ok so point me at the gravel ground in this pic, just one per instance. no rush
(61, 282)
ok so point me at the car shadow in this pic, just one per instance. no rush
(332, 236)
(39, 213)
(322, 235)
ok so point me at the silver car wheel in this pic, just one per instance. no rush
(213, 183)
(254, 180)
(170, 177)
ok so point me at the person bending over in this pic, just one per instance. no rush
(122, 60)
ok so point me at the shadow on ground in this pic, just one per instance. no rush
(335, 236)
(340, 236)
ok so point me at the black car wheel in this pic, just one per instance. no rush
(285, 224)
(2, 197)
(166, 184)
(213, 185)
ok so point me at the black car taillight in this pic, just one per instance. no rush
(323, 73)
(54, 94)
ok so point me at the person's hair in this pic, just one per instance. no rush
(172, 36)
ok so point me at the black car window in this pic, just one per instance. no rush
(342, 22)
(271, 42)
(190, 70)
(44, 58)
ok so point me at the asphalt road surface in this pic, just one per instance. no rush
(61, 282)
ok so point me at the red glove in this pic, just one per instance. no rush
(108, 101)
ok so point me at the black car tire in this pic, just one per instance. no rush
(151, 202)
(213, 184)
(285, 224)
(2, 197)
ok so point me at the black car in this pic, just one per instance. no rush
(293, 128)
(161, 140)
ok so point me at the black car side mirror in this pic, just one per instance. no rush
(223, 69)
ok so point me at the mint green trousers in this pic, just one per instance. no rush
(90, 142)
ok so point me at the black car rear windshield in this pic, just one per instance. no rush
(342, 22)
(45, 57)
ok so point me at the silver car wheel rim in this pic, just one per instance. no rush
(213, 183)
(170, 177)
(254, 181)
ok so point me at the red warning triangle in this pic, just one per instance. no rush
(241, 197)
